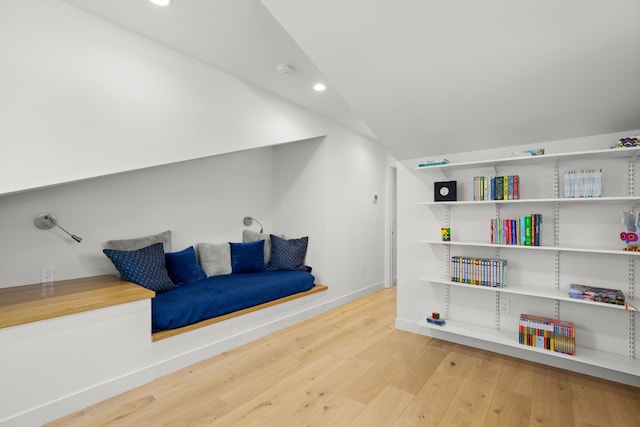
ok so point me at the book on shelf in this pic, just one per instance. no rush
(524, 230)
(597, 294)
(524, 153)
(546, 333)
(479, 271)
(582, 183)
(496, 188)
(436, 162)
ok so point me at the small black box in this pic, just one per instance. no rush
(445, 191)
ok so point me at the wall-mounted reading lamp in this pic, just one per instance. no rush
(248, 220)
(48, 221)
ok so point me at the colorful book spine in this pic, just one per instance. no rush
(496, 188)
(582, 183)
(524, 230)
(547, 334)
(479, 271)
(499, 183)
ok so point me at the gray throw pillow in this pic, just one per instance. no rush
(215, 258)
(141, 242)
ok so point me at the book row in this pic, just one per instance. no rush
(582, 183)
(592, 293)
(496, 188)
(479, 271)
(524, 230)
(548, 334)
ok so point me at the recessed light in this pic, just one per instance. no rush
(161, 2)
(319, 87)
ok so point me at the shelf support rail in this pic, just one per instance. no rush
(632, 267)
(556, 238)
(497, 308)
(447, 264)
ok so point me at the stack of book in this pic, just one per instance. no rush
(436, 162)
(548, 334)
(479, 271)
(583, 183)
(496, 188)
(592, 293)
(524, 230)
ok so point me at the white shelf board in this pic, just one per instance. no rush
(587, 356)
(604, 153)
(547, 293)
(616, 199)
(534, 248)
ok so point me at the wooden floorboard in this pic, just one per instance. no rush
(350, 367)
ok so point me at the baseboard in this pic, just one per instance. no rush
(114, 386)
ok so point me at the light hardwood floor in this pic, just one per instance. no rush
(350, 367)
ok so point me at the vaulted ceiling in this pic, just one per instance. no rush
(423, 77)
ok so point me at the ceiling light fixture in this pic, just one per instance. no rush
(285, 70)
(319, 87)
(161, 2)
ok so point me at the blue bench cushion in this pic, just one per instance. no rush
(220, 295)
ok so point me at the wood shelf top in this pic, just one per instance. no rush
(31, 303)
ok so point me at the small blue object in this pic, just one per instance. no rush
(439, 322)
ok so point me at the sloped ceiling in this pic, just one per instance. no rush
(424, 77)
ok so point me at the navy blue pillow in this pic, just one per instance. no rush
(288, 254)
(247, 257)
(183, 266)
(145, 266)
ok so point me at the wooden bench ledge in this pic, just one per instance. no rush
(30, 303)
(156, 336)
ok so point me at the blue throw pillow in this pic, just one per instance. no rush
(183, 266)
(247, 257)
(288, 254)
(145, 266)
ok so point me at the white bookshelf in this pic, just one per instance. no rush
(610, 359)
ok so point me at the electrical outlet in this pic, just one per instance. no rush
(505, 306)
(46, 274)
(362, 269)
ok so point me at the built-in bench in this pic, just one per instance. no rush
(31, 303)
(172, 332)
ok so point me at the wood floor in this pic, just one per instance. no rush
(350, 367)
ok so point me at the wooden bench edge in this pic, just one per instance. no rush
(156, 336)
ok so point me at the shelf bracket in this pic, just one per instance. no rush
(495, 168)
(631, 178)
(445, 173)
(632, 314)
(497, 320)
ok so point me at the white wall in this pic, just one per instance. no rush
(200, 200)
(597, 226)
(328, 186)
(121, 138)
(83, 98)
